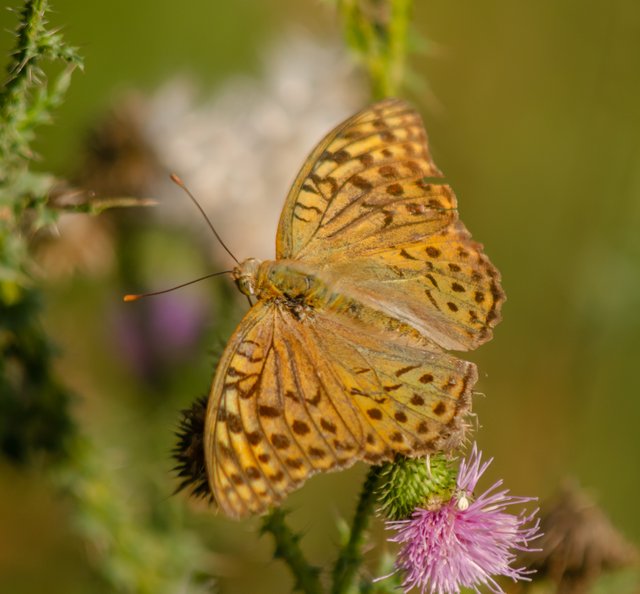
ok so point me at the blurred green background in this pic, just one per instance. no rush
(533, 112)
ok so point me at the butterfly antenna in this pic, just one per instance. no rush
(128, 298)
(176, 180)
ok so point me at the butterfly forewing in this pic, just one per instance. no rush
(369, 213)
(268, 415)
(381, 144)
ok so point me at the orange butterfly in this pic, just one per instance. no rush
(341, 359)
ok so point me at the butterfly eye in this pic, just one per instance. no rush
(246, 285)
(249, 286)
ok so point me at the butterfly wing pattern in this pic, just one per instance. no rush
(371, 208)
(295, 395)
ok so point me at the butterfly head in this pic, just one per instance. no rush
(245, 276)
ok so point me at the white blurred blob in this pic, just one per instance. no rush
(240, 151)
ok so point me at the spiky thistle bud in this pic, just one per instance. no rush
(408, 483)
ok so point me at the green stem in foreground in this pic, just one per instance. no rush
(24, 56)
(350, 557)
(26, 97)
(34, 405)
(288, 549)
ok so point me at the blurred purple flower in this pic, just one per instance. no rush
(464, 542)
(163, 332)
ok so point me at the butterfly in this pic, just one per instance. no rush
(343, 355)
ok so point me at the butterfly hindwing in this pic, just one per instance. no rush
(446, 288)
(410, 399)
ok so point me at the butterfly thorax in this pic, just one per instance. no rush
(284, 281)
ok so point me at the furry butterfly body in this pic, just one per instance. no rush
(342, 358)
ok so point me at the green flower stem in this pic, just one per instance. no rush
(350, 557)
(288, 549)
(398, 33)
(377, 32)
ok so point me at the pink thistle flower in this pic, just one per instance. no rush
(465, 542)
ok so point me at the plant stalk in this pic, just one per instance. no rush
(350, 557)
(288, 549)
